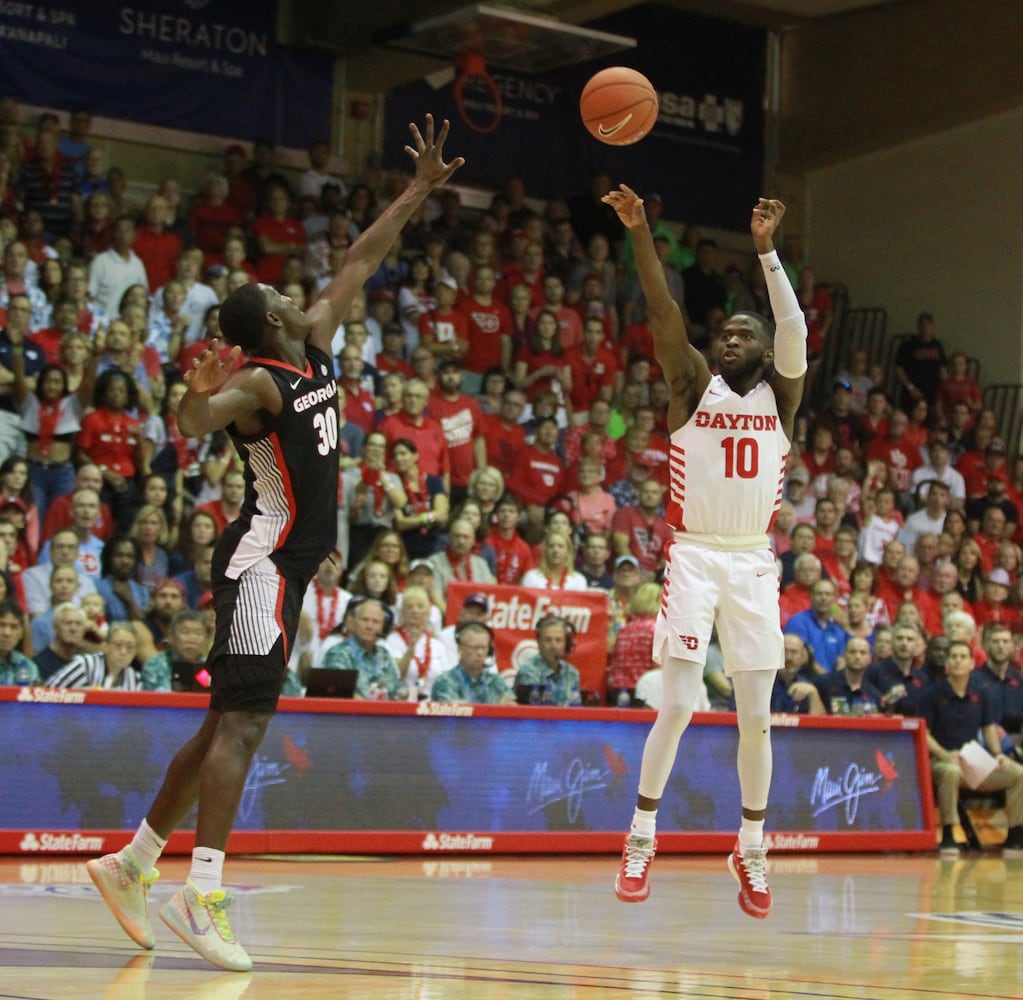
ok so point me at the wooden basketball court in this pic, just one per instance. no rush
(426, 928)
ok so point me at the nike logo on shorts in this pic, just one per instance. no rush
(295, 384)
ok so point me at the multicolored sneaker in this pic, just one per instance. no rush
(749, 869)
(201, 922)
(126, 890)
(631, 884)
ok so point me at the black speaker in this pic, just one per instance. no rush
(564, 623)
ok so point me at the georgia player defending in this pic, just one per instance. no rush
(730, 435)
(280, 410)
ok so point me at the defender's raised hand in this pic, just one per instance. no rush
(208, 372)
(627, 204)
(428, 154)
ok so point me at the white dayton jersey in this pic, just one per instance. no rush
(728, 464)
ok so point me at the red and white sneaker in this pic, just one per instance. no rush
(749, 869)
(631, 884)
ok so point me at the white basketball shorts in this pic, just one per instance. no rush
(736, 590)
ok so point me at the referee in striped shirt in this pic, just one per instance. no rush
(112, 667)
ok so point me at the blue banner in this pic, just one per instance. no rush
(705, 156)
(210, 66)
(99, 769)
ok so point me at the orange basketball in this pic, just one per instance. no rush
(618, 106)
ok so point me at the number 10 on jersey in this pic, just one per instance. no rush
(742, 457)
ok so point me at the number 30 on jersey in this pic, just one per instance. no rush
(325, 424)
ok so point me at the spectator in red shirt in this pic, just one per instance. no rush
(58, 514)
(978, 474)
(599, 418)
(212, 217)
(229, 506)
(992, 607)
(444, 330)
(459, 416)
(819, 458)
(900, 457)
(530, 272)
(278, 237)
(541, 366)
(412, 424)
(641, 531)
(874, 420)
(570, 325)
(991, 536)
(359, 402)
(501, 436)
(826, 520)
(902, 587)
(489, 329)
(632, 655)
(593, 370)
(796, 596)
(958, 387)
(392, 357)
(112, 439)
(595, 508)
(514, 555)
(157, 247)
(538, 475)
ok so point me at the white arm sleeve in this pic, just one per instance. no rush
(790, 323)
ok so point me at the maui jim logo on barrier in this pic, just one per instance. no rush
(457, 842)
(548, 785)
(444, 708)
(62, 843)
(57, 696)
(847, 790)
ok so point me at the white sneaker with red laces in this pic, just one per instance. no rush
(631, 883)
(749, 869)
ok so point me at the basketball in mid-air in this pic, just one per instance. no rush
(618, 106)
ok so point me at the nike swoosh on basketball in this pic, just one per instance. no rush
(608, 132)
(295, 384)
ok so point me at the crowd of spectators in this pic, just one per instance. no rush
(503, 419)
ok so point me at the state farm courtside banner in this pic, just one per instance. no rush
(514, 612)
(209, 66)
(704, 155)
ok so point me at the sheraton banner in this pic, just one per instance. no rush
(514, 612)
(210, 66)
(705, 155)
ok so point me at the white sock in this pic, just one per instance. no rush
(147, 846)
(644, 822)
(751, 834)
(207, 869)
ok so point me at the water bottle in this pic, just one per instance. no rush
(23, 676)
